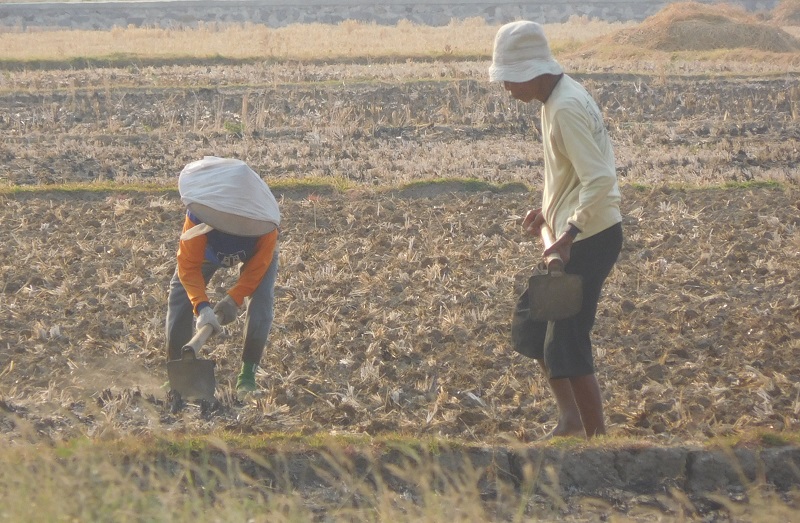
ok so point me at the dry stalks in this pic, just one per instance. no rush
(698, 27)
(316, 42)
(393, 302)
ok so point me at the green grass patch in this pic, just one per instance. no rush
(120, 60)
(301, 187)
(100, 187)
(683, 187)
(773, 439)
(759, 438)
(127, 60)
(177, 445)
(181, 445)
(435, 187)
(313, 188)
(763, 184)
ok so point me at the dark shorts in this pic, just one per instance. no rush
(565, 345)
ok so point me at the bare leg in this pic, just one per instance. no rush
(569, 416)
(589, 402)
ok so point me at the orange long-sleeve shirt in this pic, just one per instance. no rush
(225, 250)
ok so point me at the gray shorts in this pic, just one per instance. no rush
(566, 345)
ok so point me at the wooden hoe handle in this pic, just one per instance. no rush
(555, 265)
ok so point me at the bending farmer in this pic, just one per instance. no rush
(232, 220)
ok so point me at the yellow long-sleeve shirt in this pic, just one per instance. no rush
(580, 179)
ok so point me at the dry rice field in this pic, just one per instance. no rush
(402, 184)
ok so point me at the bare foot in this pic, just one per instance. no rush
(565, 430)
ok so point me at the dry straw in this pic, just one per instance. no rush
(787, 13)
(460, 38)
(691, 26)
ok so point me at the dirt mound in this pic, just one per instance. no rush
(787, 13)
(691, 26)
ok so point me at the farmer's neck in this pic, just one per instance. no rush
(546, 84)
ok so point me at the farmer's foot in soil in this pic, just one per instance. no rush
(567, 427)
(246, 381)
(246, 390)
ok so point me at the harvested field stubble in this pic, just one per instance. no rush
(394, 300)
(696, 130)
(393, 316)
(392, 322)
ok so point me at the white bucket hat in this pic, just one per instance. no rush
(521, 53)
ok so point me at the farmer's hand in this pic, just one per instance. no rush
(226, 310)
(205, 317)
(533, 222)
(562, 247)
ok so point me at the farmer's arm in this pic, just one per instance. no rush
(255, 268)
(190, 262)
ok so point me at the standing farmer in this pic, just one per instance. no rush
(232, 220)
(580, 203)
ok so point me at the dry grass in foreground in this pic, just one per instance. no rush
(286, 478)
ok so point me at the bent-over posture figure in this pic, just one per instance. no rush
(231, 221)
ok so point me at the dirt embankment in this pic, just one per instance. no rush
(692, 26)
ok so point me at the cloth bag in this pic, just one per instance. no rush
(227, 195)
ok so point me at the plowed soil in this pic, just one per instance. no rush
(393, 305)
(394, 299)
(393, 315)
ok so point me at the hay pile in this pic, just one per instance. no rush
(787, 12)
(692, 26)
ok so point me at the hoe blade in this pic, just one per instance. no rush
(192, 378)
(554, 297)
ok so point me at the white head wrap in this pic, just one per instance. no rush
(229, 196)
